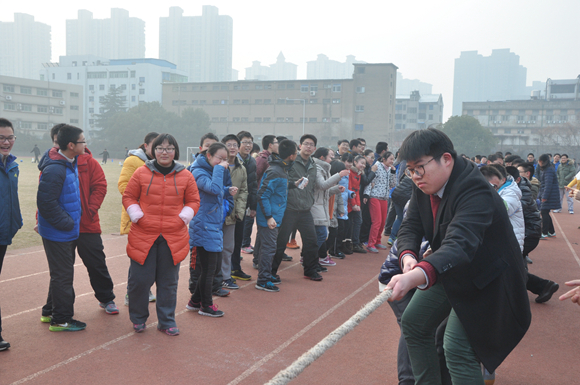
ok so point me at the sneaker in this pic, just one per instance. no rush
(71, 325)
(3, 344)
(314, 277)
(545, 295)
(221, 293)
(292, 244)
(551, 235)
(238, 274)
(152, 297)
(193, 306)
(544, 236)
(358, 249)
(229, 284)
(321, 269)
(381, 246)
(211, 311)
(571, 211)
(286, 258)
(390, 242)
(170, 331)
(45, 319)
(247, 250)
(339, 255)
(528, 260)
(301, 260)
(557, 211)
(268, 286)
(110, 307)
(276, 279)
(372, 250)
(126, 299)
(139, 328)
(327, 261)
(255, 266)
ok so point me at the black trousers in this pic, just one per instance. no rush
(303, 222)
(195, 273)
(365, 228)
(3, 249)
(331, 244)
(61, 294)
(547, 224)
(205, 269)
(391, 216)
(535, 284)
(238, 239)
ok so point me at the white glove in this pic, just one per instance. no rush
(135, 212)
(186, 214)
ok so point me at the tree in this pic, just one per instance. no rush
(111, 104)
(468, 135)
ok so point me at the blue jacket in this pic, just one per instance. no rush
(10, 217)
(58, 198)
(273, 192)
(549, 189)
(213, 183)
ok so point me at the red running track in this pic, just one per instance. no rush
(261, 333)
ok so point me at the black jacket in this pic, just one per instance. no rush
(250, 165)
(402, 193)
(477, 259)
(366, 178)
(532, 217)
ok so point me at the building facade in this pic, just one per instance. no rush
(24, 46)
(324, 68)
(417, 112)
(406, 86)
(34, 106)
(198, 45)
(332, 109)
(140, 80)
(479, 78)
(281, 70)
(118, 37)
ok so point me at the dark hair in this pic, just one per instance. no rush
(68, 134)
(545, 159)
(513, 172)
(321, 152)
(381, 146)
(493, 157)
(244, 134)
(286, 148)
(490, 171)
(477, 157)
(500, 168)
(341, 142)
(499, 154)
(55, 129)
(362, 140)
(267, 140)
(209, 135)
(518, 161)
(528, 167)
(229, 137)
(531, 153)
(159, 141)
(281, 138)
(385, 156)
(255, 148)
(368, 151)
(347, 157)
(511, 158)
(566, 155)
(353, 143)
(508, 153)
(359, 157)
(429, 142)
(557, 154)
(308, 136)
(215, 147)
(7, 123)
(148, 139)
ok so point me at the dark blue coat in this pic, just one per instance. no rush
(273, 193)
(213, 183)
(549, 189)
(10, 217)
(58, 198)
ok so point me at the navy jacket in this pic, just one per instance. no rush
(58, 198)
(549, 189)
(273, 193)
(10, 217)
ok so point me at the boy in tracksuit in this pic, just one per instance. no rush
(272, 198)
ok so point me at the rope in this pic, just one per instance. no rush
(298, 366)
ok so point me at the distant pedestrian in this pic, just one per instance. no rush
(105, 155)
(10, 217)
(36, 152)
(126, 152)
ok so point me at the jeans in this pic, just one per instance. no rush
(569, 199)
(398, 221)
(321, 236)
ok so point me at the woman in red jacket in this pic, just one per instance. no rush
(354, 213)
(161, 198)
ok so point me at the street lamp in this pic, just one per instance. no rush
(303, 111)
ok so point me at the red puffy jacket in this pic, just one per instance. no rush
(93, 187)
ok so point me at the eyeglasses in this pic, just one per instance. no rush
(276, 142)
(10, 138)
(247, 143)
(232, 145)
(170, 150)
(419, 171)
(78, 142)
(219, 157)
(308, 144)
(494, 186)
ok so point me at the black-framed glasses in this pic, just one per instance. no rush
(170, 150)
(78, 142)
(10, 138)
(419, 170)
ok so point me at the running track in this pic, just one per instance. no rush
(261, 333)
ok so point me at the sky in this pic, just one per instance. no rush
(422, 38)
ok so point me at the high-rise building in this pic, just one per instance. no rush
(24, 46)
(281, 70)
(120, 37)
(199, 45)
(324, 68)
(416, 111)
(481, 78)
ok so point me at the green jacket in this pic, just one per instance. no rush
(566, 172)
(301, 199)
(239, 180)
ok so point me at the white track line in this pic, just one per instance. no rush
(46, 271)
(567, 241)
(276, 351)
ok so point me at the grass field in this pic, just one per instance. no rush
(110, 212)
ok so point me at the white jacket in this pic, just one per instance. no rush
(512, 195)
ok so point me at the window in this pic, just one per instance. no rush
(195, 102)
(132, 98)
(58, 110)
(9, 106)
(91, 110)
(412, 110)
(101, 99)
(430, 106)
(215, 101)
(245, 101)
(236, 120)
(430, 116)
(245, 87)
(26, 107)
(224, 88)
(422, 115)
(533, 117)
(223, 101)
(335, 101)
(312, 120)
(74, 108)
(258, 120)
(123, 87)
(26, 90)
(132, 74)
(112, 87)
(215, 120)
(244, 120)
(74, 120)
(118, 74)
(358, 127)
(304, 88)
(236, 88)
(360, 90)
(53, 76)
(222, 120)
(359, 108)
(258, 101)
(41, 92)
(202, 101)
(74, 94)
(91, 121)
(91, 98)
(564, 118)
(289, 101)
(215, 88)
(142, 79)
(96, 75)
(267, 101)
(42, 109)
(336, 88)
(520, 118)
(237, 101)
(289, 120)
(267, 120)
(56, 94)
(141, 91)
(259, 87)
(42, 126)
(325, 101)
(8, 88)
(327, 85)
(290, 86)
(505, 118)
(507, 131)
(193, 88)
(133, 87)
(398, 116)
(279, 120)
(123, 99)
(101, 87)
(267, 87)
(360, 70)
(313, 87)
(313, 101)
(25, 125)
(325, 120)
(281, 86)
(281, 101)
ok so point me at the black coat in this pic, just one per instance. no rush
(477, 259)
(532, 217)
(250, 165)
(402, 193)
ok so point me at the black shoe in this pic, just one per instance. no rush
(348, 246)
(339, 255)
(321, 269)
(314, 277)
(528, 260)
(344, 250)
(549, 290)
(3, 344)
(359, 249)
(221, 293)
(238, 274)
(255, 266)
(286, 258)
(276, 279)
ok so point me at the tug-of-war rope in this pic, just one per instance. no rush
(292, 371)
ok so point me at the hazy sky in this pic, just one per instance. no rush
(420, 37)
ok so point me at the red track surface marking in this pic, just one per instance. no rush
(261, 333)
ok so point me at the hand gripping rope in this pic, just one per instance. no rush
(292, 371)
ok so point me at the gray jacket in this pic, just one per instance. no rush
(326, 185)
(301, 199)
